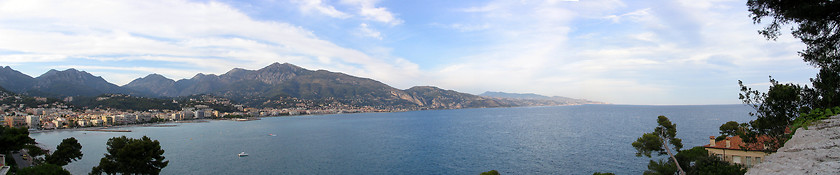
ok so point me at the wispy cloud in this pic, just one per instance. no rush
(464, 27)
(368, 32)
(369, 10)
(320, 7)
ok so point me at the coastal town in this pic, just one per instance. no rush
(58, 115)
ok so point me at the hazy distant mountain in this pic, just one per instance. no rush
(15, 81)
(530, 99)
(434, 97)
(287, 80)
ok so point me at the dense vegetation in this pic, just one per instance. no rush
(14, 99)
(67, 151)
(12, 138)
(124, 156)
(785, 107)
(124, 102)
(491, 172)
(43, 169)
(131, 156)
(692, 161)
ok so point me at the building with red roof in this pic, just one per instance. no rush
(735, 150)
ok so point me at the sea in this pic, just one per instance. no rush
(523, 140)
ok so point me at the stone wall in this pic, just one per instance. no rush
(812, 151)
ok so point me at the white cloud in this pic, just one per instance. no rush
(30, 58)
(657, 53)
(321, 7)
(463, 27)
(207, 37)
(640, 15)
(368, 32)
(369, 10)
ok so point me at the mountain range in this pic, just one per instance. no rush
(530, 99)
(253, 87)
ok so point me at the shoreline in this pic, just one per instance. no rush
(174, 123)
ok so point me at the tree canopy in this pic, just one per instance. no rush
(774, 112)
(815, 22)
(43, 169)
(69, 150)
(132, 156)
(660, 141)
(698, 161)
(491, 172)
(13, 138)
(657, 141)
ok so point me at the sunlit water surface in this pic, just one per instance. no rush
(527, 140)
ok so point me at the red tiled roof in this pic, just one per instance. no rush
(737, 143)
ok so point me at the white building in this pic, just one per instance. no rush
(199, 114)
(96, 122)
(82, 123)
(33, 121)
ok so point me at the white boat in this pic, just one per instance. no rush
(243, 154)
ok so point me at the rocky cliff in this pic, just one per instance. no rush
(812, 151)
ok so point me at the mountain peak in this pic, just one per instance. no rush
(15, 81)
(154, 77)
(66, 72)
(285, 66)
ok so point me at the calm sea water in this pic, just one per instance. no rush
(528, 140)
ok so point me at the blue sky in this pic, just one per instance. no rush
(624, 52)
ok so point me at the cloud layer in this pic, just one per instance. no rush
(651, 52)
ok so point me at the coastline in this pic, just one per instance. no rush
(115, 128)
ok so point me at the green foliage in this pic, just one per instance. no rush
(805, 120)
(775, 110)
(34, 150)
(668, 131)
(661, 167)
(125, 102)
(713, 166)
(656, 141)
(69, 150)
(816, 24)
(43, 169)
(826, 89)
(647, 144)
(730, 128)
(12, 138)
(660, 141)
(733, 128)
(13, 99)
(491, 172)
(691, 156)
(600, 173)
(132, 156)
(698, 161)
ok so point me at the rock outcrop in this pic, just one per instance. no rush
(812, 151)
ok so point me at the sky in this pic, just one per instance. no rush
(657, 52)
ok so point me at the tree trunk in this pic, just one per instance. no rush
(668, 149)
